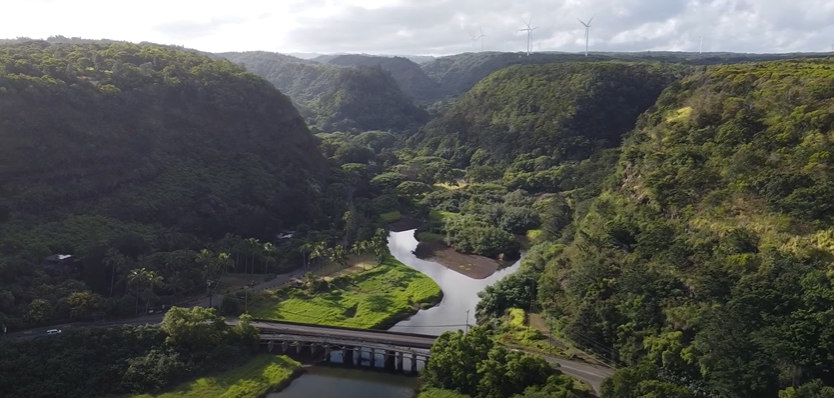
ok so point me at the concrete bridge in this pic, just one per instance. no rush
(390, 348)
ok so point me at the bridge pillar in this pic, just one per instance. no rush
(414, 363)
(389, 360)
(399, 361)
(327, 353)
(284, 346)
(373, 358)
(357, 354)
(298, 347)
(347, 356)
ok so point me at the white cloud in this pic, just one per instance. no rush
(434, 26)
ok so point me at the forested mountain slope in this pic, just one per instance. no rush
(334, 98)
(705, 265)
(460, 72)
(543, 114)
(411, 79)
(143, 149)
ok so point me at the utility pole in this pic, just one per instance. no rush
(467, 322)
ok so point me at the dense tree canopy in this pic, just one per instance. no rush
(364, 97)
(150, 151)
(704, 265)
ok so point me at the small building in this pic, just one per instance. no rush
(285, 235)
(59, 264)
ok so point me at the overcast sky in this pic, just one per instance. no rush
(434, 27)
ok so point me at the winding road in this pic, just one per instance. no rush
(591, 374)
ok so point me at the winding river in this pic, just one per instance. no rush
(460, 294)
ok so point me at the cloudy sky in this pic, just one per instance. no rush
(434, 27)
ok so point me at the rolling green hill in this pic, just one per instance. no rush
(704, 267)
(143, 149)
(336, 98)
(543, 114)
(458, 73)
(411, 79)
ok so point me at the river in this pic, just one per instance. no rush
(460, 294)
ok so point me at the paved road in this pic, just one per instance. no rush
(591, 374)
(403, 340)
(153, 318)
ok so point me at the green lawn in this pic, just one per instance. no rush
(371, 299)
(253, 380)
(436, 393)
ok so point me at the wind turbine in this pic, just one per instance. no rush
(481, 37)
(587, 28)
(474, 38)
(529, 35)
(700, 44)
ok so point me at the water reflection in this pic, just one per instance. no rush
(348, 383)
(460, 293)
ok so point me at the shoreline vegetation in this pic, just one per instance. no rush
(432, 248)
(375, 298)
(260, 376)
(470, 265)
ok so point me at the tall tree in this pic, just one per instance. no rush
(269, 255)
(115, 260)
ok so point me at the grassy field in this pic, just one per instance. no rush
(262, 374)
(436, 393)
(370, 299)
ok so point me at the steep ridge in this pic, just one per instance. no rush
(546, 112)
(156, 148)
(412, 80)
(335, 98)
(705, 264)
(459, 73)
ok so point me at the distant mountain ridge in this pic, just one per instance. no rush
(334, 98)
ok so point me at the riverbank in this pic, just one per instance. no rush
(473, 266)
(261, 375)
(373, 299)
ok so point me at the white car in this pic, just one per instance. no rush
(53, 331)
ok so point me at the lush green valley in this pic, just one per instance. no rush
(674, 215)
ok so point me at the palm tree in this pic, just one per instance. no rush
(137, 278)
(379, 244)
(319, 251)
(115, 260)
(306, 248)
(269, 254)
(152, 279)
(254, 246)
(223, 262)
(360, 247)
(205, 258)
(339, 256)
